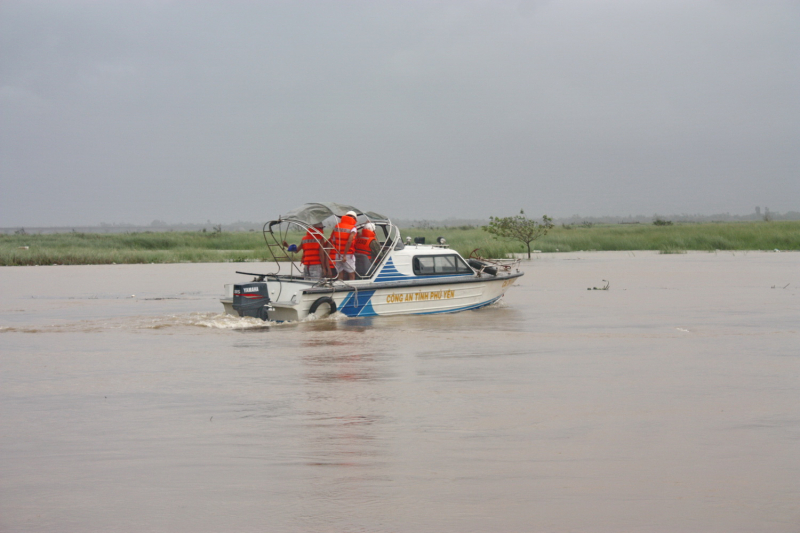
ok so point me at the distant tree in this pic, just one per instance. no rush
(519, 228)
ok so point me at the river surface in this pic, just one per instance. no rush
(669, 402)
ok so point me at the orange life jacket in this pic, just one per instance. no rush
(341, 232)
(363, 242)
(312, 246)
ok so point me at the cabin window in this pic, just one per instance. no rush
(432, 265)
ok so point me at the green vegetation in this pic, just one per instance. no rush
(176, 247)
(676, 238)
(146, 247)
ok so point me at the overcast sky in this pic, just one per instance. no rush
(187, 111)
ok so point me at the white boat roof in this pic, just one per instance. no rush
(425, 249)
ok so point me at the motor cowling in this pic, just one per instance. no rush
(251, 299)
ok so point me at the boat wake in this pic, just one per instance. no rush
(218, 321)
(172, 322)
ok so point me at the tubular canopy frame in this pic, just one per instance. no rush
(304, 217)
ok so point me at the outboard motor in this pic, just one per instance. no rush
(251, 299)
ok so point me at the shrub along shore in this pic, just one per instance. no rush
(201, 247)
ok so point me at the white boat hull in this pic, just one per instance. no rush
(368, 300)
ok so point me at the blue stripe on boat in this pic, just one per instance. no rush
(390, 273)
(357, 303)
(465, 308)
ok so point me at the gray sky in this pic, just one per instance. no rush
(130, 111)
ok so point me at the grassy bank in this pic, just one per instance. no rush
(609, 237)
(99, 249)
(176, 247)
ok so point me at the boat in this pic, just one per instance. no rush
(408, 277)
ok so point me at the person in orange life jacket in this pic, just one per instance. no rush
(315, 264)
(343, 238)
(367, 248)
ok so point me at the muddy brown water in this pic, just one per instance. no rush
(669, 402)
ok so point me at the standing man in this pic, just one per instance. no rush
(343, 238)
(367, 248)
(314, 261)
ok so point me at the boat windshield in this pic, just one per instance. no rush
(431, 265)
